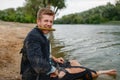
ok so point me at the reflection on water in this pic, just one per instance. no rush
(113, 33)
(95, 46)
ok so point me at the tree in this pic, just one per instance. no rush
(117, 7)
(8, 14)
(20, 14)
(58, 5)
(32, 6)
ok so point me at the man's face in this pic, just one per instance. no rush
(45, 22)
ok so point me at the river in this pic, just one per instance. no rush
(94, 46)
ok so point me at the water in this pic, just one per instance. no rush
(94, 46)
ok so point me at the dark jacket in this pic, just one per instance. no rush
(35, 53)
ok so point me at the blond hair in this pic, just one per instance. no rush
(44, 11)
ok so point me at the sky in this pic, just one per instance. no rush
(73, 6)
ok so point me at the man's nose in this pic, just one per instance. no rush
(49, 23)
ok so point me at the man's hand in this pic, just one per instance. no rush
(54, 74)
(58, 60)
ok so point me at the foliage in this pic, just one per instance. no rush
(28, 13)
(96, 15)
(7, 14)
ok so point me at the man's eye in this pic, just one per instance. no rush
(51, 21)
(46, 20)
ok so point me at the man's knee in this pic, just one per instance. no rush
(74, 63)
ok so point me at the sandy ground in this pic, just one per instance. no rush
(11, 37)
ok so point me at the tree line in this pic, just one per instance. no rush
(101, 14)
(27, 13)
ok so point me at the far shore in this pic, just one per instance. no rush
(113, 23)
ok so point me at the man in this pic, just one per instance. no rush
(37, 64)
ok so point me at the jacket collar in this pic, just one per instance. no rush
(40, 31)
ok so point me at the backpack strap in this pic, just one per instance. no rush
(85, 75)
(88, 71)
(83, 68)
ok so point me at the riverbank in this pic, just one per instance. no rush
(113, 23)
(11, 37)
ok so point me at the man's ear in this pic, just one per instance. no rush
(38, 21)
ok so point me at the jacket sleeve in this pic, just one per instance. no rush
(35, 57)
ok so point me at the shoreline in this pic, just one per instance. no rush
(12, 35)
